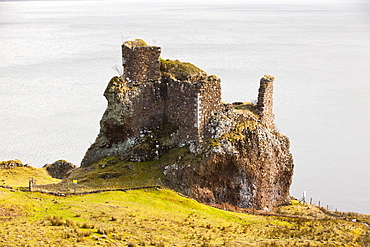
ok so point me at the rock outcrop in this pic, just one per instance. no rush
(238, 156)
(10, 164)
(59, 169)
(245, 164)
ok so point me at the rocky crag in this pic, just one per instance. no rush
(10, 164)
(59, 169)
(238, 157)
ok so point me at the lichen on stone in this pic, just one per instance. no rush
(136, 42)
(268, 77)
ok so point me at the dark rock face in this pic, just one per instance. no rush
(238, 156)
(59, 169)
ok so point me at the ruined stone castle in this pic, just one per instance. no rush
(186, 103)
(158, 105)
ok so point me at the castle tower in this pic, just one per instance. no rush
(140, 62)
(265, 101)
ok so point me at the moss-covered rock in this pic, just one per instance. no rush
(59, 169)
(178, 70)
(10, 164)
(136, 42)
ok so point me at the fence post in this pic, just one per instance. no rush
(30, 184)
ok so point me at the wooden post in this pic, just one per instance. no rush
(311, 201)
(30, 184)
(319, 203)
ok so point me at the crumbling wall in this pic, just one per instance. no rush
(180, 108)
(141, 62)
(265, 101)
(209, 102)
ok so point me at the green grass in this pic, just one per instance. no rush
(178, 70)
(246, 108)
(151, 217)
(113, 173)
(158, 218)
(19, 177)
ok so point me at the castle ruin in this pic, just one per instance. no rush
(233, 152)
(153, 92)
(185, 103)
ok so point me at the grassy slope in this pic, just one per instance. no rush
(20, 176)
(160, 218)
(112, 173)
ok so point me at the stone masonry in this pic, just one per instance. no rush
(265, 101)
(141, 63)
(186, 104)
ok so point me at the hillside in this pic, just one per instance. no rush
(164, 218)
(19, 177)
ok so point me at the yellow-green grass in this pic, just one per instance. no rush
(246, 108)
(158, 218)
(113, 173)
(154, 217)
(19, 176)
(178, 70)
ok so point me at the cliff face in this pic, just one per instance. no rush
(245, 164)
(238, 156)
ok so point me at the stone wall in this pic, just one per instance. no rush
(180, 106)
(209, 102)
(186, 104)
(148, 106)
(141, 63)
(265, 101)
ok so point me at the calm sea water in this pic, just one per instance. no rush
(57, 58)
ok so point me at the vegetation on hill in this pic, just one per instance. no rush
(178, 70)
(162, 217)
(19, 176)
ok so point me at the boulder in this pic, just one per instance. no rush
(59, 169)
